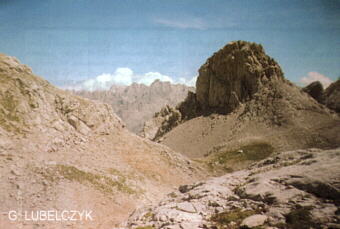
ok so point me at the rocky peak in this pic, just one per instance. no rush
(332, 96)
(315, 89)
(233, 75)
(246, 88)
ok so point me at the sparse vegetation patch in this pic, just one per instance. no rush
(146, 227)
(234, 217)
(100, 182)
(232, 160)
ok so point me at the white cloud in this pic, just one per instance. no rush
(124, 77)
(149, 77)
(315, 76)
(189, 23)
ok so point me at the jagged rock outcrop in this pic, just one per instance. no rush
(295, 189)
(137, 103)
(229, 78)
(161, 123)
(315, 90)
(170, 117)
(332, 96)
(61, 152)
(233, 75)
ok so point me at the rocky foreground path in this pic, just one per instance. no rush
(295, 189)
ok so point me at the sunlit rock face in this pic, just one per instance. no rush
(233, 75)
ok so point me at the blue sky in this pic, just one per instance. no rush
(105, 41)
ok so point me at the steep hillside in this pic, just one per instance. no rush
(242, 98)
(63, 152)
(137, 103)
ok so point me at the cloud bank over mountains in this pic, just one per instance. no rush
(315, 76)
(124, 77)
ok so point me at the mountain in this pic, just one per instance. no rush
(330, 97)
(243, 101)
(137, 103)
(315, 89)
(289, 190)
(62, 152)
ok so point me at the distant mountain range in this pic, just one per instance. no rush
(137, 103)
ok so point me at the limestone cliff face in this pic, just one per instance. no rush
(233, 75)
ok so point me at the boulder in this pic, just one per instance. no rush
(254, 221)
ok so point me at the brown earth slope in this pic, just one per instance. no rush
(63, 152)
(242, 98)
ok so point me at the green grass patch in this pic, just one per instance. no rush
(301, 218)
(148, 216)
(100, 182)
(118, 174)
(8, 113)
(232, 160)
(225, 218)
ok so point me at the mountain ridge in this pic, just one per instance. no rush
(136, 103)
(227, 114)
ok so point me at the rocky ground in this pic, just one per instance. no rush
(292, 190)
